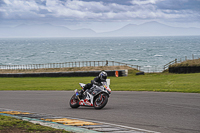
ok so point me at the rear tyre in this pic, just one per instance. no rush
(100, 101)
(74, 103)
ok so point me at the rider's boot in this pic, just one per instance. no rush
(81, 93)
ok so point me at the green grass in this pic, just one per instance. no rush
(9, 124)
(163, 82)
(159, 82)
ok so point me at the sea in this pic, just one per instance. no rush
(147, 52)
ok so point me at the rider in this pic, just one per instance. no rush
(97, 81)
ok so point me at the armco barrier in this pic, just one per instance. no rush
(194, 69)
(65, 74)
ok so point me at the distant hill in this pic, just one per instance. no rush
(152, 29)
(146, 29)
(44, 30)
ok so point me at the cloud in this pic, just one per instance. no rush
(143, 2)
(1, 3)
(179, 5)
(187, 10)
(93, 10)
(15, 9)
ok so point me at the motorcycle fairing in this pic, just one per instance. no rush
(82, 85)
(107, 88)
(96, 92)
(98, 89)
(87, 100)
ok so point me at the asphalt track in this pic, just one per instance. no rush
(155, 111)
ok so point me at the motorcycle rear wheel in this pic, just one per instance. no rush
(100, 101)
(74, 103)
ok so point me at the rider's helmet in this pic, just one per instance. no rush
(103, 75)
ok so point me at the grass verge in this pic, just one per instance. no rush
(163, 82)
(13, 125)
(191, 63)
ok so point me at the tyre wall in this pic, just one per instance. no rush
(184, 69)
(65, 74)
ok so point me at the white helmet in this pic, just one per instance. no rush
(103, 75)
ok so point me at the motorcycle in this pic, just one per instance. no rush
(96, 97)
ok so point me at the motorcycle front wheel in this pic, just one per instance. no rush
(74, 103)
(100, 101)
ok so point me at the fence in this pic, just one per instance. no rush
(151, 69)
(170, 63)
(178, 61)
(67, 64)
(146, 69)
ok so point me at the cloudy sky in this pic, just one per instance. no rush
(99, 15)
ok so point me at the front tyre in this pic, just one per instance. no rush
(100, 101)
(74, 102)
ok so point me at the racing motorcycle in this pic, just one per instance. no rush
(96, 97)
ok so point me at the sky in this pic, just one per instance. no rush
(99, 15)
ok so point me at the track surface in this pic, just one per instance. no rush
(157, 111)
